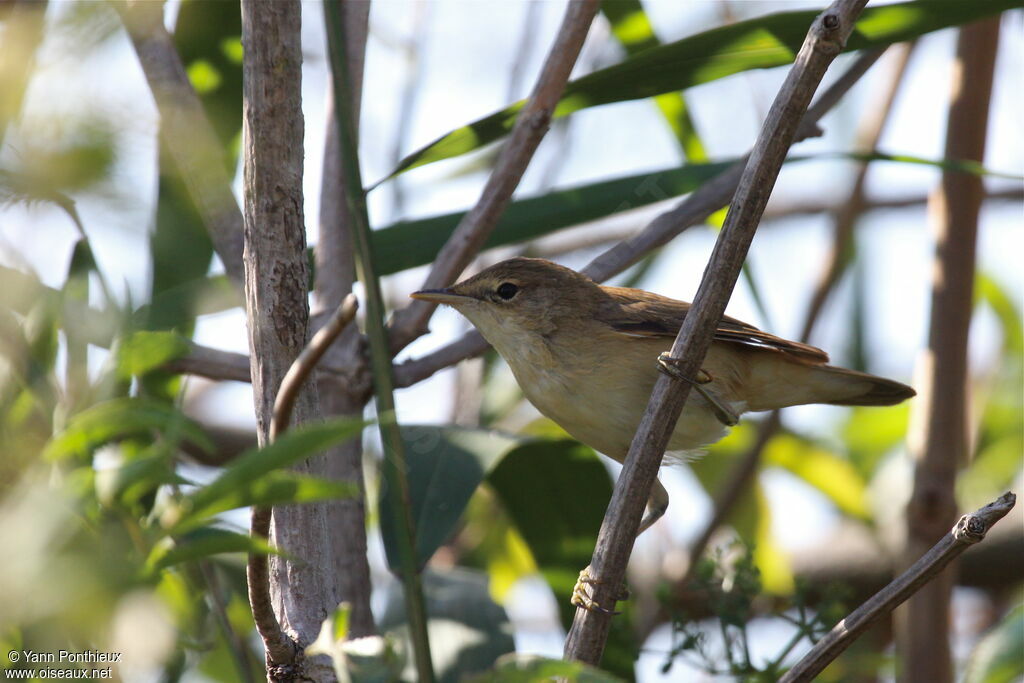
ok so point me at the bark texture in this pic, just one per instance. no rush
(305, 588)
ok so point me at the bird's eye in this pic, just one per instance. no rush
(507, 290)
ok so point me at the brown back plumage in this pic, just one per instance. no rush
(642, 314)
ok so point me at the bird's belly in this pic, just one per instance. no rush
(602, 407)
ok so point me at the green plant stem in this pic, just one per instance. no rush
(380, 355)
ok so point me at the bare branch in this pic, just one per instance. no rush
(824, 41)
(531, 125)
(815, 206)
(187, 133)
(938, 434)
(969, 530)
(210, 363)
(303, 366)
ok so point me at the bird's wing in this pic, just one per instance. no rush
(636, 313)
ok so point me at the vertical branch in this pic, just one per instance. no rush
(380, 356)
(939, 441)
(344, 392)
(303, 587)
(824, 41)
(531, 125)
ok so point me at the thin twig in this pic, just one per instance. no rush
(824, 41)
(187, 132)
(530, 126)
(969, 530)
(710, 197)
(306, 362)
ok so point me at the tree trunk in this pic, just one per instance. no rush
(306, 588)
(938, 433)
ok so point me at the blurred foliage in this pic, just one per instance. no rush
(760, 43)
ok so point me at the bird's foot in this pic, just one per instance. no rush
(670, 366)
(582, 598)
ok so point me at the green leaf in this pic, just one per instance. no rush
(201, 543)
(120, 418)
(274, 488)
(870, 433)
(997, 657)
(631, 26)
(759, 43)
(408, 244)
(295, 445)
(961, 165)
(445, 466)
(1002, 303)
(127, 482)
(834, 476)
(556, 493)
(468, 631)
(144, 351)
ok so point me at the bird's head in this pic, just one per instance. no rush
(517, 297)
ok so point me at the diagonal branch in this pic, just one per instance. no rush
(845, 217)
(969, 530)
(531, 125)
(824, 41)
(187, 132)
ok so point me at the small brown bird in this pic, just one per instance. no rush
(587, 357)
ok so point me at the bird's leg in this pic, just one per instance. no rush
(657, 503)
(669, 365)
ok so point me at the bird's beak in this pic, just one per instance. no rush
(440, 296)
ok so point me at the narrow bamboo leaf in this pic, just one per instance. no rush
(272, 488)
(445, 466)
(759, 43)
(201, 543)
(633, 29)
(120, 418)
(408, 244)
(143, 351)
(296, 445)
(961, 165)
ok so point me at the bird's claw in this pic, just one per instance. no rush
(670, 366)
(581, 598)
